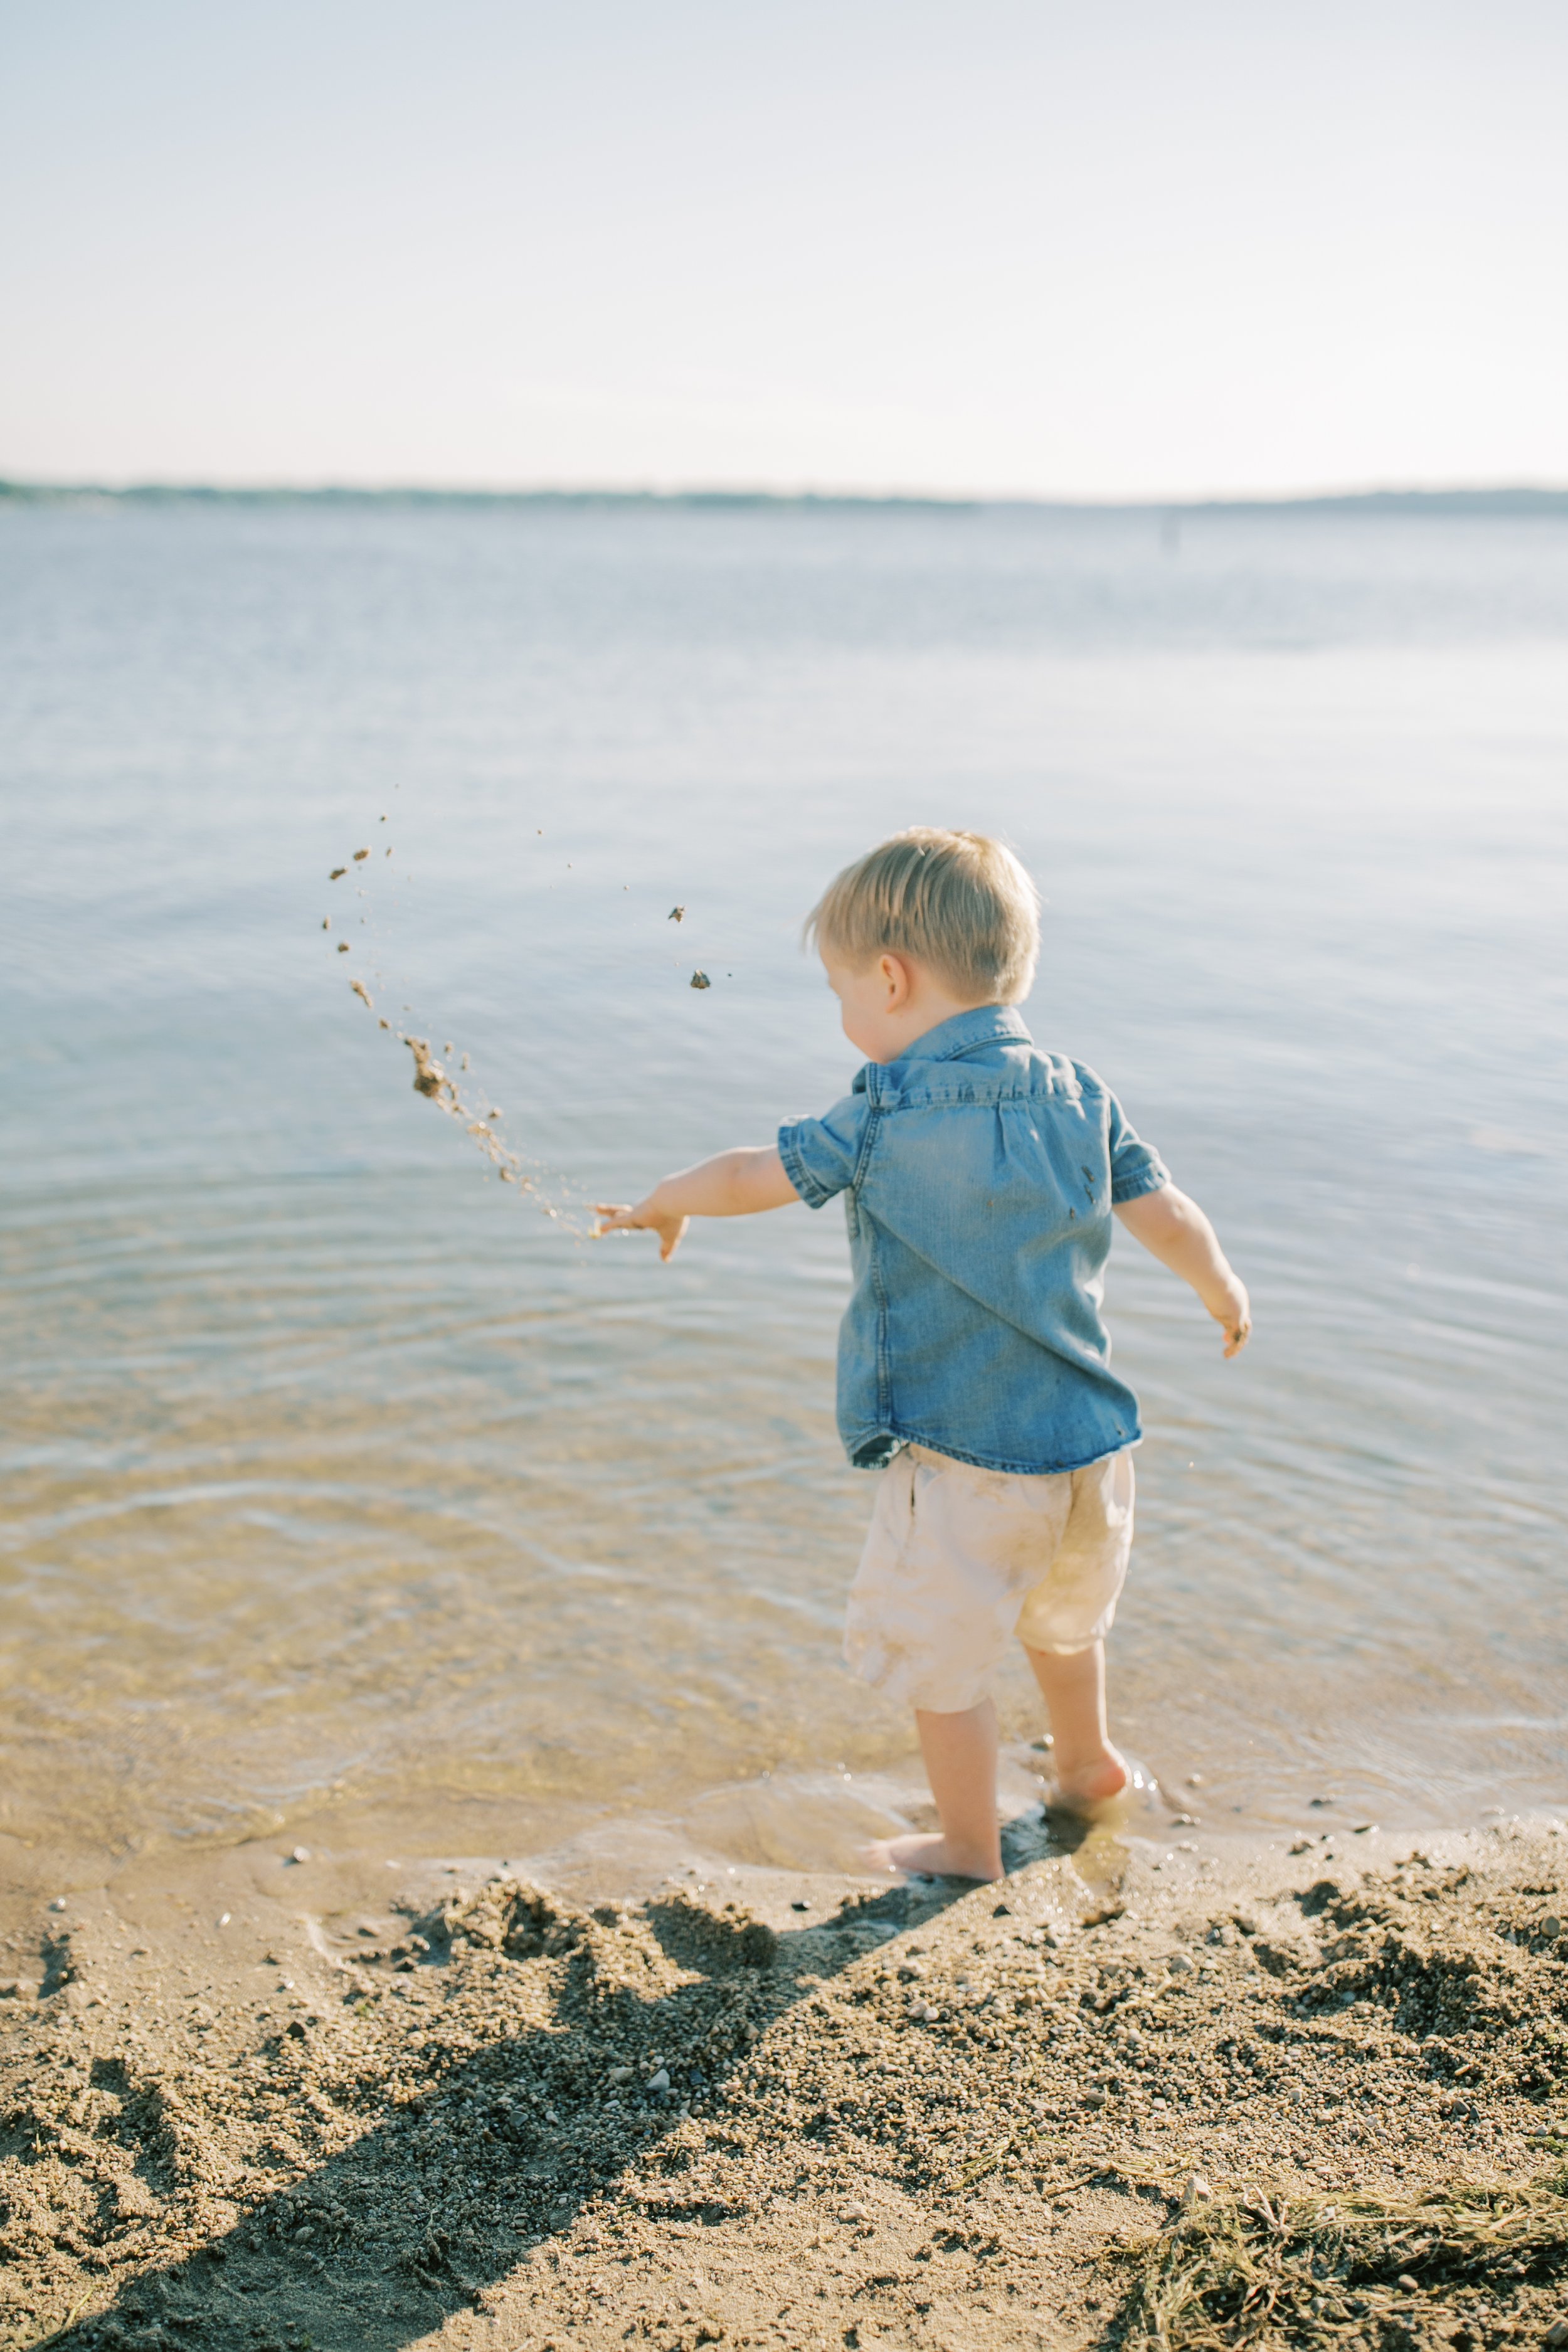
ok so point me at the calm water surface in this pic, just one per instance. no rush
(339, 1480)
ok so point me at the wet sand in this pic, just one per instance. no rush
(1130, 2094)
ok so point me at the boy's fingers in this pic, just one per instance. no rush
(616, 1218)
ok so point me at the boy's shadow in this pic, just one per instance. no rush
(478, 2158)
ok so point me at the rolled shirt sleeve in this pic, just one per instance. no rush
(1136, 1167)
(821, 1155)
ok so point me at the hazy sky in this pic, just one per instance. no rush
(1114, 247)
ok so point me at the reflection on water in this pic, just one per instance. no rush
(336, 1479)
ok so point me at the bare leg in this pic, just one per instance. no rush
(959, 1753)
(1089, 1768)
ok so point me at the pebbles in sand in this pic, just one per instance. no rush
(553, 2083)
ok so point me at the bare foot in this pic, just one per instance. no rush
(929, 1855)
(1089, 1786)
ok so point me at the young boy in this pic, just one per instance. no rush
(980, 1175)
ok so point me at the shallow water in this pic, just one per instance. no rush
(340, 1481)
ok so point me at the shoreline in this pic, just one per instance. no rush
(904, 2116)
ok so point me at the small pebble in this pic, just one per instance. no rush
(1411, 2286)
(676, 915)
(223, 1917)
(1179, 1965)
(1551, 1928)
(58, 1903)
(337, 873)
(660, 2082)
(1556, 2336)
(359, 854)
(854, 2212)
(300, 1853)
(700, 979)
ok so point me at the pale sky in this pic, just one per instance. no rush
(1069, 248)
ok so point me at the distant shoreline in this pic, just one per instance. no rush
(1522, 501)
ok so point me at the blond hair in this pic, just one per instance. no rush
(959, 901)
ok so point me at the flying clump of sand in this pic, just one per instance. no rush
(438, 1084)
(432, 1079)
(436, 1080)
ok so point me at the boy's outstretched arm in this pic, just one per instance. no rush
(734, 1185)
(1176, 1231)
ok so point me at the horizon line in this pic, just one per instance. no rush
(1499, 497)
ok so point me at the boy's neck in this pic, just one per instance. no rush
(924, 1015)
(890, 1004)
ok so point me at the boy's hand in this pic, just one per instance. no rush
(1234, 1315)
(647, 1217)
(1175, 1231)
(734, 1185)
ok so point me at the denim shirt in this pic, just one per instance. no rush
(978, 1175)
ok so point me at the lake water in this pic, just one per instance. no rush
(343, 1487)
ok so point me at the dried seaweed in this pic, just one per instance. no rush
(1246, 2270)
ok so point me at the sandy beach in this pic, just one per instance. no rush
(929, 643)
(1132, 2093)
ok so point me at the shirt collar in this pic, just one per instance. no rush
(983, 1025)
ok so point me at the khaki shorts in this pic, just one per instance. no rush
(958, 1561)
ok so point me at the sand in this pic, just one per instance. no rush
(274, 2102)
(435, 1081)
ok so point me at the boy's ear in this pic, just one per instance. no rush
(897, 978)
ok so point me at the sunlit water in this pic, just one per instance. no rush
(338, 1478)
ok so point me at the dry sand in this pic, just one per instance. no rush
(437, 2112)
